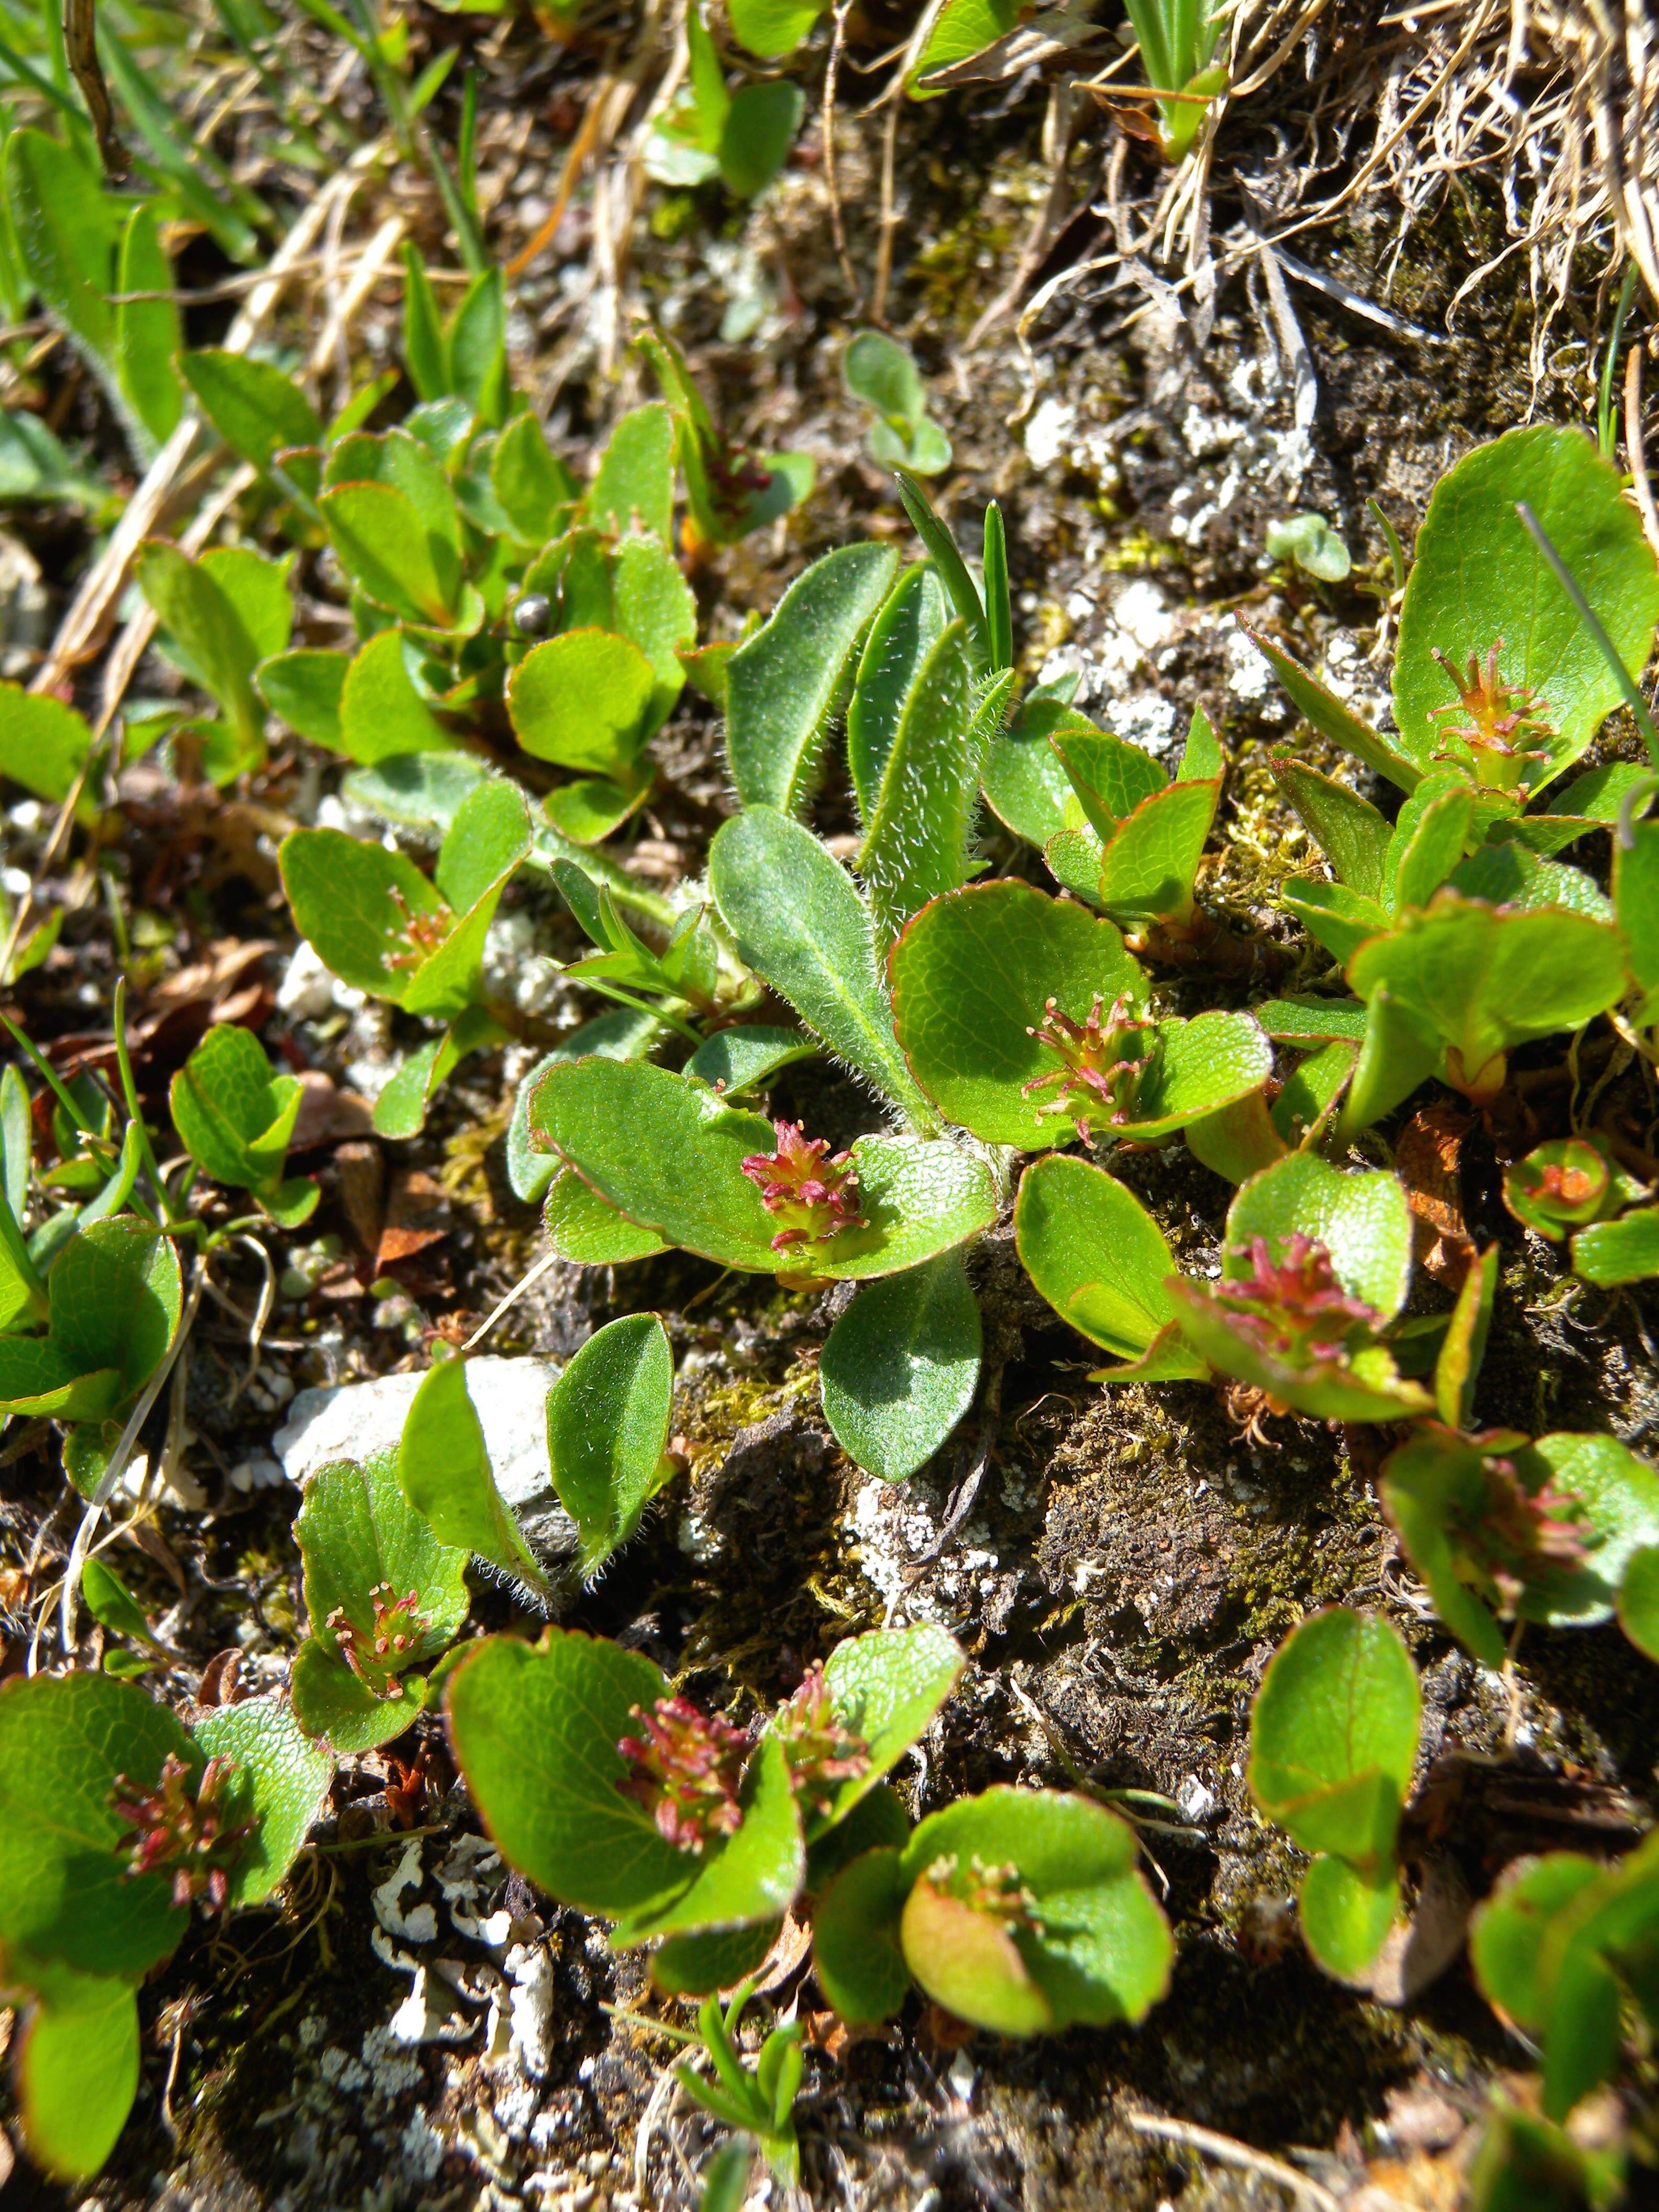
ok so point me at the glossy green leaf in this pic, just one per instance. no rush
(234, 1115)
(277, 1781)
(1508, 1932)
(754, 1874)
(358, 1534)
(1361, 1219)
(1099, 1950)
(623, 1033)
(785, 682)
(1625, 1251)
(735, 1060)
(580, 699)
(254, 407)
(885, 1687)
(799, 923)
(385, 548)
(444, 1468)
(771, 28)
(1617, 1494)
(1636, 902)
(633, 486)
(1095, 1252)
(1151, 861)
(535, 489)
(856, 1954)
(1333, 720)
(217, 626)
(352, 902)
(607, 1430)
(1475, 980)
(900, 1367)
(1428, 841)
(1025, 782)
(692, 1965)
(78, 2071)
(1347, 828)
(305, 689)
(65, 1894)
(1108, 776)
(65, 230)
(759, 129)
(1334, 1735)
(381, 714)
(1479, 577)
(535, 1731)
(962, 29)
(1347, 1913)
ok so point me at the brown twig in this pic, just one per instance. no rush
(837, 225)
(81, 51)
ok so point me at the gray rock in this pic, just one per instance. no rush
(353, 1420)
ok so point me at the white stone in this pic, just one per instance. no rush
(353, 1420)
(1047, 433)
(308, 992)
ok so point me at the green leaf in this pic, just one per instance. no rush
(1347, 1914)
(200, 605)
(535, 1731)
(1507, 1934)
(305, 689)
(65, 1894)
(1362, 1219)
(476, 345)
(42, 742)
(1025, 783)
(801, 924)
(1475, 980)
(904, 634)
(577, 1225)
(785, 682)
(900, 1367)
(110, 1601)
(1095, 1252)
(624, 1033)
(635, 483)
(692, 1965)
(1347, 828)
(426, 357)
(1109, 776)
(607, 1430)
(443, 1466)
(534, 488)
(1428, 842)
(1618, 1495)
(337, 1707)
(1395, 1057)
(1638, 1599)
(1333, 720)
(880, 372)
(771, 28)
(383, 545)
(1510, 873)
(856, 1955)
(78, 2071)
(351, 901)
(278, 1783)
(971, 976)
(1524, 2164)
(916, 846)
(942, 550)
(736, 1060)
(754, 1874)
(668, 1154)
(885, 1687)
(962, 29)
(1614, 1252)
(64, 227)
(147, 333)
(256, 408)
(1099, 1950)
(116, 1294)
(1479, 577)
(758, 133)
(1151, 861)
(234, 1116)
(381, 714)
(358, 1534)
(1636, 902)
(580, 699)
(1334, 1735)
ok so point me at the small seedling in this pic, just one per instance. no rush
(757, 2100)
(1310, 542)
(1332, 1744)
(236, 1119)
(881, 373)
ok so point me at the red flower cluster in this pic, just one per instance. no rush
(1098, 1065)
(1294, 1309)
(819, 1749)
(422, 933)
(687, 1768)
(1519, 1535)
(170, 1826)
(815, 1198)
(398, 1629)
(1498, 718)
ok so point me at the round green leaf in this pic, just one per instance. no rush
(1333, 1734)
(1506, 1940)
(278, 1782)
(580, 1227)
(1099, 1950)
(1095, 1252)
(1362, 1219)
(64, 1892)
(357, 1532)
(900, 1367)
(885, 1687)
(78, 2070)
(1617, 1494)
(579, 700)
(971, 976)
(1479, 577)
(331, 1703)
